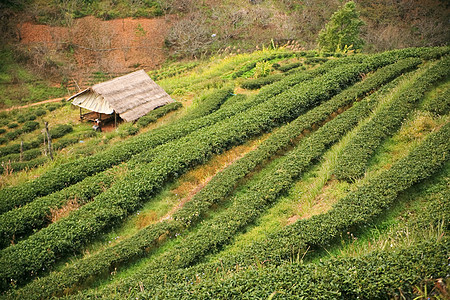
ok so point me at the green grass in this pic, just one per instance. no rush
(18, 86)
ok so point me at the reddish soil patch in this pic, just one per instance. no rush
(115, 46)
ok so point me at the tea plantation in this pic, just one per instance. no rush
(324, 177)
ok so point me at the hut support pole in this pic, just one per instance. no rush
(115, 120)
(81, 117)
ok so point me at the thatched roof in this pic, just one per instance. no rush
(131, 96)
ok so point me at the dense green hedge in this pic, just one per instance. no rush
(358, 208)
(378, 275)
(140, 187)
(353, 161)
(20, 222)
(287, 67)
(157, 113)
(210, 103)
(27, 155)
(72, 172)
(55, 132)
(213, 234)
(217, 188)
(254, 84)
(440, 104)
(16, 166)
(59, 239)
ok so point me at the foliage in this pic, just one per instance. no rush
(354, 158)
(342, 30)
(440, 104)
(254, 84)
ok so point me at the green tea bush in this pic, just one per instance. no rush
(355, 156)
(291, 66)
(13, 125)
(21, 222)
(159, 112)
(440, 104)
(60, 130)
(12, 135)
(378, 275)
(218, 188)
(254, 84)
(210, 103)
(2, 130)
(40, 112)
(30, 117)
(358, 208)
(23, 165)
(26, 155)
(110, 207)
(30, 126)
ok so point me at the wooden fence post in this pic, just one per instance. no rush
(49, 141)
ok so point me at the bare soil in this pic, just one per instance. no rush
(116, 46)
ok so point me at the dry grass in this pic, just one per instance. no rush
(59, 213)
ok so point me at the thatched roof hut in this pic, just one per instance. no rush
(130, 96)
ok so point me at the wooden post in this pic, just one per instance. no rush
(45, 148)
(49, 141)
(21, 151)
(81, 116)
(115, 120)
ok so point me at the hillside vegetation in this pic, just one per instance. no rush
(50, 48)
(276, 174)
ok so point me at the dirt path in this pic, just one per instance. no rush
(34, 104)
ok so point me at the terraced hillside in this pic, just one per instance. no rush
(285, 175)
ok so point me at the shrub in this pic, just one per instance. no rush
(13, 125)
(288, 67)
(30, 126)
(60, 130)
(40, 112)
(254, 84)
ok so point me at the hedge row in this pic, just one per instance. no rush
(210, 104)
(218, 188)
(251, 65)
(16, 166)
(263, 117)
(213, 234)
(352, 163)
(29, 126)
(26, 155)
(358, 208)
(55, 132)
(41, 250)
(254, 84)
(157, 113)
(287, 67)
(73, 172)
(18, 223)
(378, 275)
(440, 104)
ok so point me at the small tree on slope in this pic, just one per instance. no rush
(342, 30)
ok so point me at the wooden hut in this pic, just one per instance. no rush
(130, 96)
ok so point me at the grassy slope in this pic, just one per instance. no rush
(313, 194)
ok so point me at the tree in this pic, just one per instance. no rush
(342, 30)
